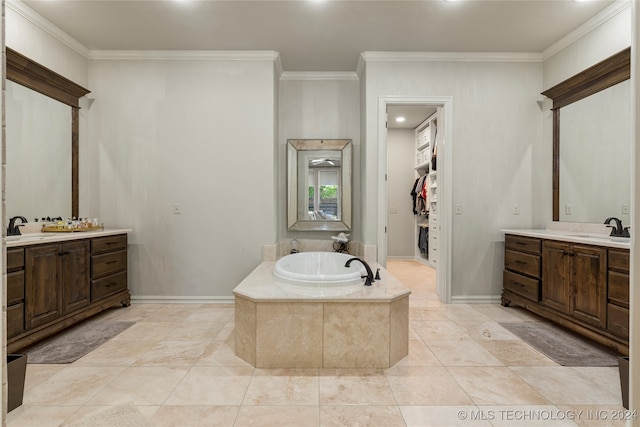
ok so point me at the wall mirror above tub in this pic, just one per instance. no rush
(592, 143)
(42, 131)
(319, 184)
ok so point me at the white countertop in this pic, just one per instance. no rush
(262, 285)
(573, 237)
(37, 238)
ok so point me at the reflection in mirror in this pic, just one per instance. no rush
(595, 156)
(36, 97)
(38, 154)
(592, 142)
(319, 184)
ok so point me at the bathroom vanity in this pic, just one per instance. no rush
(55, 280)
(578, 281)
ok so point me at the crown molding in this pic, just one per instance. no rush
(584, 29)
(319, 75)
(179, 55)
(42, 23)
(278, 66)
(371, 56)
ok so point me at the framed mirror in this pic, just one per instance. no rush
(319, 184)
(42, 136)
(592, 142)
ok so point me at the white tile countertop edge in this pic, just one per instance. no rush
(38, 238)
(262, 285)
(573, 237)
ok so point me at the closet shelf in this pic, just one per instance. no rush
(422, 166)
(424, 146)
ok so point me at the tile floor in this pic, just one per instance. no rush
(176, 367)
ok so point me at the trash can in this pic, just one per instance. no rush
(623, 368)
(16, 370)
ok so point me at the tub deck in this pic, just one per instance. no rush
(276, 327)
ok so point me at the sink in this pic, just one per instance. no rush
(600, 237)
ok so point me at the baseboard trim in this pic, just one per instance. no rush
(476, 299)
(158, 299)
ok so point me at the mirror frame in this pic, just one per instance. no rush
(346, 148)
(607, 73)
(34, 76)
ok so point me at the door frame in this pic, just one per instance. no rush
(445, 158)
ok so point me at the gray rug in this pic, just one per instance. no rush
(75, 342)
(562, 346)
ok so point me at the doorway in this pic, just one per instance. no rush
(443, 107)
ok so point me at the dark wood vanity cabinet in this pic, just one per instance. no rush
(618, 296)
(574, 280)
(54, 285)
(108, 266)
(582, 287)
(15, 292)
(56, 281)
(522, 267)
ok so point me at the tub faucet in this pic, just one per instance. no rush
(12, 229)
(369, 277)
(618, 230)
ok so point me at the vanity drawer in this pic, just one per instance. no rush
(15, 259)
(15, 287)
(618, 321)
(618, 288)
(521, 285)
(523, 244)
(15, 320)
(108, 263)
(106, 286)
(619, 260)
(522, 263)
(109, 243)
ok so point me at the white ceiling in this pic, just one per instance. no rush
(319, 35)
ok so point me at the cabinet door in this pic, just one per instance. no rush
(589, 284)
(43, 295)
(556, 275)
(75, 275)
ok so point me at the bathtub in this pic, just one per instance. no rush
(319, 274)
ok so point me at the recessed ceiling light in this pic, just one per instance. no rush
(400, 119)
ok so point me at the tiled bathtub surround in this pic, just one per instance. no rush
(276, 328)
(176, 367)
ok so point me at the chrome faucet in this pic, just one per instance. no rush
(12, 229)
(369, 277)
(617, 230)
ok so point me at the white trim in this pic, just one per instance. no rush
(318, 75)
(584, 29)
(476, 299)
(445, 199)
(372, 56)
(278, 65)
(45, 25)
(159, 299)
(221, 55)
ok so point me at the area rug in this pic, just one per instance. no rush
(562, 346)
(75, 342)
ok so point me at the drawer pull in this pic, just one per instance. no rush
(111, 262)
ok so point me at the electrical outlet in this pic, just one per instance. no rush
(176, 209)
(458, 209)
(516, 209)
(393, 210)
(568, 209)
(625, 208)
